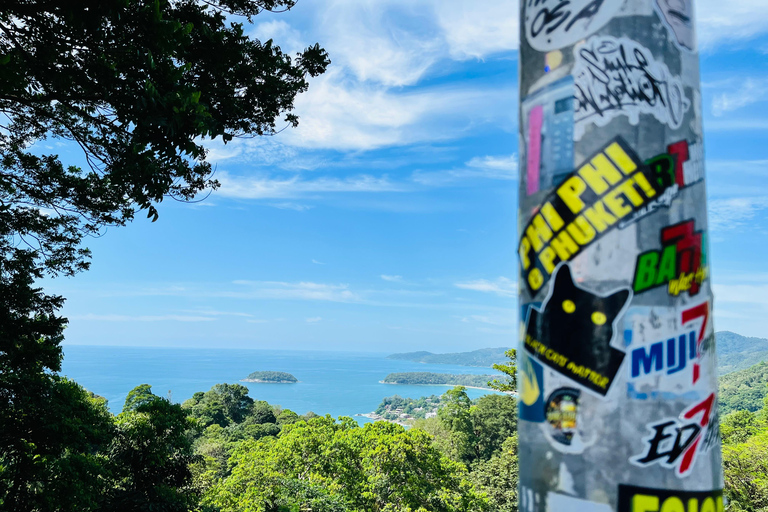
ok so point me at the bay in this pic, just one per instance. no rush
(336, 383)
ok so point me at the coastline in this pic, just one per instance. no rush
(260, 381)
(375, 417)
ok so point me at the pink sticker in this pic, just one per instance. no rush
(533, 168)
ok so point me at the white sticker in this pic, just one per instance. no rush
(560, 502)
(665, 352)
(677, 15)
(554, 24)
(617, 76)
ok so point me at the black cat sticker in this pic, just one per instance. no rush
(572, 332)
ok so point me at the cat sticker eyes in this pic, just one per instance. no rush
(598, 318)
(569, 306)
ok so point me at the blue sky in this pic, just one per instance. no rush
(387, 220)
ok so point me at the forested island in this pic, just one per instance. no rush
(439, 379)
(483, 357)
(271, 378)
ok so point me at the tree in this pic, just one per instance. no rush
(137, 85)
(151, 456)
(455, 415)
(745, 466)
(498, 477)
(737, 427)
(139, 396)
(223, 404)
(494, 420)
(509, 369)
(52, 439)
(262, 412)
(328, 466)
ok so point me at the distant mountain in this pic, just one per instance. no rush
(483, 357)
(744, 389)
(736, 352)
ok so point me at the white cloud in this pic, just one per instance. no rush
(384, 41)
(730, 125)
(317, 262)
(141, 318)
(292, 206)
(502, 286)
(294, 291)
(719, 21)
(314, 319)
(213, 312)
(289, 39)
(727, 214)
(392, 278)
(488, 167)
(506, 320)
(344, 114)
(268, 187)
(478, 28)
(746, 91)
(741, 167)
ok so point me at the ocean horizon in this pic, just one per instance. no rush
(330, 382)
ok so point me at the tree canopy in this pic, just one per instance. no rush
(138, 87)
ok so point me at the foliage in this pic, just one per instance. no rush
(509, 369)
(223, 405)
(494, 420)
(498, 477)
(151, 456)
(455, 415)
(744, 389)
(479, 381)
(52, 439)
(745, 466)
(136, 86)
(271, 377)
(139, 396)
(470, 431)
(739, 426)
(339, 466)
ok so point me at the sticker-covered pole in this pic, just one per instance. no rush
(618, 406)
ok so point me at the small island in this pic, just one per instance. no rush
(440, 379)
(271, 378)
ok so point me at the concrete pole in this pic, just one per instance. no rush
(618, 381)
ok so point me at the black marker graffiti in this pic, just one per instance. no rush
(619, 77)
(669, 441)
(552, 24)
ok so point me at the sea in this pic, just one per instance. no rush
(335, 383)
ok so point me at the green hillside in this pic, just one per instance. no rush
(483, 357)
(744, 389)
(737, 352)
